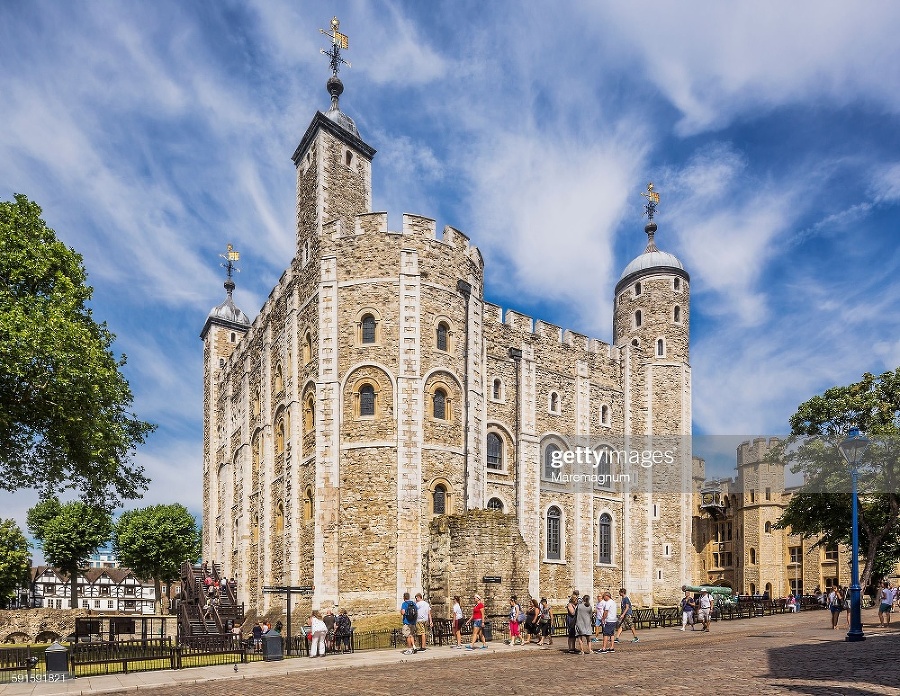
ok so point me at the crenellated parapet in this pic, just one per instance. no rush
(756, 450)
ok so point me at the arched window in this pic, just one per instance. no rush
(255, 530)
(637, 319)
(636, 343)
(549, 469)
(676, 314)
(439, 500)
(494, 451)
(439, 405)
(308, 505)
(279, 435)
(349, 158)
(752, 556)
(279, 518)
(753, 588)
(498, 389)
(368, 329)
(768, 527)
(604, 414)
(279, 379)
(554, 534)
(637, 289)
(233, 337)
(495, 504)
(554, 402)
(255, 403)
(604, 540)
(660, 348)
(307, 348)
(309, 414)
(676, 283)
(367, 400)
(443, 336)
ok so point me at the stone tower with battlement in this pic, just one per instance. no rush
(377, 393)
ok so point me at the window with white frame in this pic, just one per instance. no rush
(554, 534)
(604, 539)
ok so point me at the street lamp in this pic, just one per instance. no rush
(852, 448)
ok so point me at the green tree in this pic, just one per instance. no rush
(68, 534)
(823, 505)
(15, 560)
(65, 419)
(154, 541)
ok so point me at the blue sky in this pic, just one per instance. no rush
(152, 134)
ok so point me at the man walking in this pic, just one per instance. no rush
(409, 613)
(424, 623)
(626, 618)
(705, 609)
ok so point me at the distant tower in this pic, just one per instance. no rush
(225, 326)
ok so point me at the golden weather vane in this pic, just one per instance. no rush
(338, 41)
(652, 201)
(230, 257)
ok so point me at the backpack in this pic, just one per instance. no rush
(412, 612)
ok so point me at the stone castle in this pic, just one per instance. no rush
(380, 427)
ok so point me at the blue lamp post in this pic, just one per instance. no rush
(852, 448)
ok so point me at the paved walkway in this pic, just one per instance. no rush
(783, 654)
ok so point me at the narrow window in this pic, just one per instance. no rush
(495, 504)
(307, 348)
(279, 518)
(349, 158)
(368, 329)
(768, 494)
(554, 402)
(279, 380)
(442, 336)
(498, 389)
(554, 536)
(637, 289)
(676, 283)
(309, 414)
(636, 343)
(367, 400)
(605, 539)
(768, 527)
(604, 414)
(279, 436)
(439, 404)
(637, 319)
(667, 550)
(752, 556)
(233, 337)
(676, 314)
(494, 451)
(752, 496)
(549, 469)
(221, 362)
(308, 505)
(439, 500)
(660, 348)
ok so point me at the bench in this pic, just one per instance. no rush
(643, 618)
(668, 616)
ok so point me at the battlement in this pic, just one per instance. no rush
(755, 451)
(546, 331)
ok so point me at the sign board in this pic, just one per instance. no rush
(491, 579)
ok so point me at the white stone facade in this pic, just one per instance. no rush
(376, 384)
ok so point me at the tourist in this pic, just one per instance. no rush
(477, 621)
(257, 636)
(598, 619)
(687, 610)
(792, 603)
(583, 628)
(424, 623)
(329, 618)
(458, 621)
(626, 617)
(846, 594)
(318, 630)
(409, 613)
(343, 632)
(514, 610)
(886, 603)
(546, 623)
(571, 609)
(609, 623)
(532, 616)
(835, 605)
(705, 609)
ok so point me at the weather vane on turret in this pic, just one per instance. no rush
(338, 41)
(652, 201)
(650, 210)
(230, 257)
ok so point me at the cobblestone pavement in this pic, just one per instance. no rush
(790, 654)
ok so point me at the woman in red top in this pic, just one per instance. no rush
(477, 621)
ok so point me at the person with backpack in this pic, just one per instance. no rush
(409, 612)
(514, 619)
(343, 632)
(687, 610)
(545, 623)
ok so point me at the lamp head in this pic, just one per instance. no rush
(853, 446)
